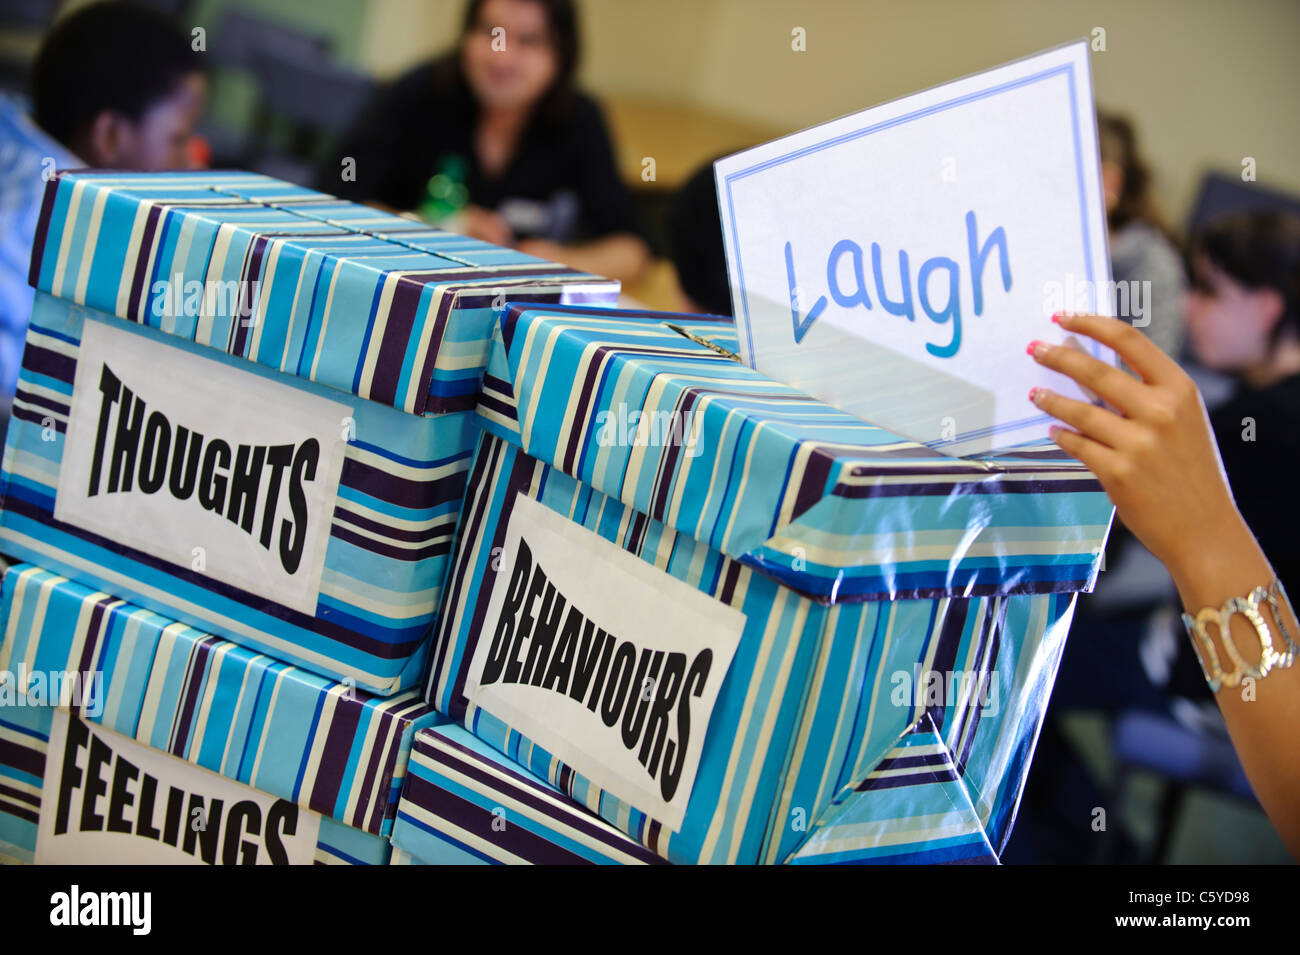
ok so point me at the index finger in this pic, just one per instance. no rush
(1137, 351)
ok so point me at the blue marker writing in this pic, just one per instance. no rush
(938, 284)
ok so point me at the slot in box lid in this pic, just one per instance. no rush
(829, 505)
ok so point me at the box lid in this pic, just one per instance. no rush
(340, 294)
(831, 506)
(321, 744)
(402, 230)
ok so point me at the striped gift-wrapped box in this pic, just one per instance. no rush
(273, 445)
(162, 720)
(363, 301)
(706, 606)
(463, 803)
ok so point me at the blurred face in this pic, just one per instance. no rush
(1228, 323)
(159, 139)
(509, 56)
(164, 131)
(1112, 181)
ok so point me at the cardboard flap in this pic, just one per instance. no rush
(337, 293)
(831, 506)
(911, 810)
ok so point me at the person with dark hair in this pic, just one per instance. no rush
(113, 86)
(1243, 318)
(120, 86)
(695, 237)
(1141, 247)
(1154, 451)
(493, 140)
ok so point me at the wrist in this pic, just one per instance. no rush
(1222, 560)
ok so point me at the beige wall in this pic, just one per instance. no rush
(1208, 81)
(399, 33)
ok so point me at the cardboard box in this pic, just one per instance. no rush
(706, 606)
(273, 445)
(117, 724)
(465, 804)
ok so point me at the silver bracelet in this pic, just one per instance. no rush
(1270, 658)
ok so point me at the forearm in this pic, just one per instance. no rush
(1223, 560)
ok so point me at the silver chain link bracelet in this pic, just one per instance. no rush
(1270, 657)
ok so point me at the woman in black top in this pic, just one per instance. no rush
(493, 140)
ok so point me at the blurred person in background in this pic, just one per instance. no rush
(1141, 248)
(695, 238)
(1243, 319)
(1134, 599)
(113, 86)
(1243, 311)
(493, 140)
(1158, 455)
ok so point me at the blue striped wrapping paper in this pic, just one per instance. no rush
(366, 302)
(319, 744)
(862, 513)
(465, 804)
(828, 672)
(953, 779)
(390, 535)
(853, 554)
(911, 810)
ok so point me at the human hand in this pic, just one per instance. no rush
(480, 223)
(543, 249)
(1155, 454)
(1157, 459)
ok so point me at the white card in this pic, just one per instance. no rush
(202, 464)
(110, 800)
(609, 664)
(990, 188)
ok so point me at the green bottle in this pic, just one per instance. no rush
(445, 193)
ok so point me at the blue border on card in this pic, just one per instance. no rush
(1065, 68)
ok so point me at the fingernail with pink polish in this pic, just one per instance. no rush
(1035, 348)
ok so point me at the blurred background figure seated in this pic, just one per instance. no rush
(112, 85)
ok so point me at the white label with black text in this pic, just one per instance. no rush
(608, 663)
(205, 466)
(108, 799)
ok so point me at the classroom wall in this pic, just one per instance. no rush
(1208, 82)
